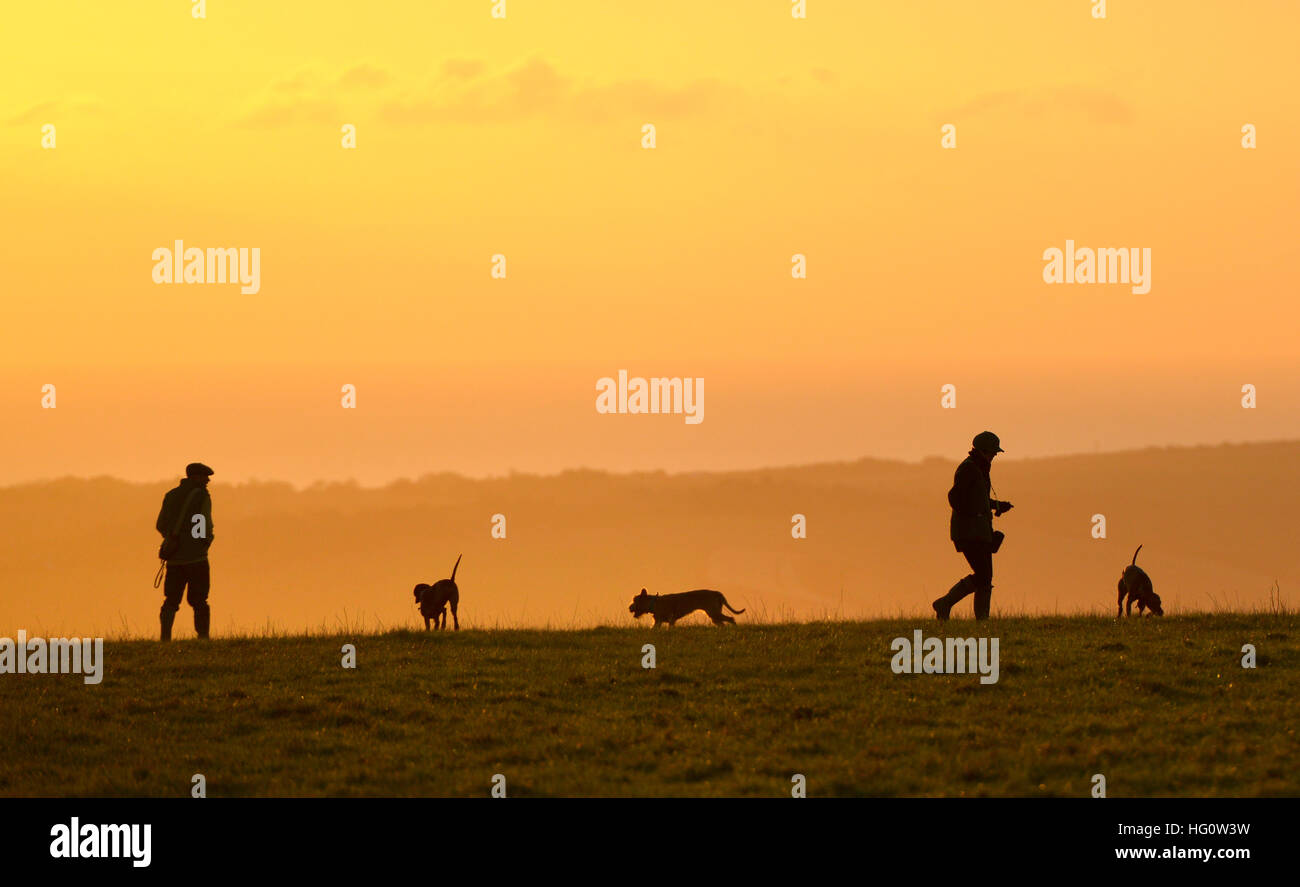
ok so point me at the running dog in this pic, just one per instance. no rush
(671, 607)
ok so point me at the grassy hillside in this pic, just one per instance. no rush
(1161, 707)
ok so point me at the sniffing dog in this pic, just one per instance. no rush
(1136, 585)
(671, 607)
(433, 600)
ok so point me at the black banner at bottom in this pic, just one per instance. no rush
(337, 836)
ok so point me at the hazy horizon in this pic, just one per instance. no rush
(79, 553)
(286, 423)
(956, 457)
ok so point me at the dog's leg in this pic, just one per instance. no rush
(1128, 606)
(1119, 604)
(455, 620)
(426, 623)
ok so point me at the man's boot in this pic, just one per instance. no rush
(166, 618)
(201, 620)
(943, 606)
(983, 598)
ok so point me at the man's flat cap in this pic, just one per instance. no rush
(988, 442)
(198, 469)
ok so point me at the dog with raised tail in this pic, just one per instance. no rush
(433, 600)
(1135, 585)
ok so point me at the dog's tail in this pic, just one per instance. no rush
(729, 606)
(1135, 557)
(459, 556)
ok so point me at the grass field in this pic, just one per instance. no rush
(1160, 707)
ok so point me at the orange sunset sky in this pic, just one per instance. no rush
(522, 137)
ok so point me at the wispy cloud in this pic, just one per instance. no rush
(365, 77)
(307, 97)
(825, 76)
(466, 93)
(50, 111)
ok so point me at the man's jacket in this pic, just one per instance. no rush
(972, 509)
(190, 550)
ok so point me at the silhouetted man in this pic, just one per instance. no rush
(185, 523)
(971, 527)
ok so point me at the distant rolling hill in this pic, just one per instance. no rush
(1218, 526)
